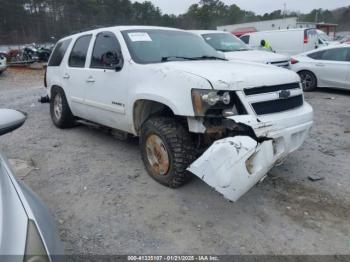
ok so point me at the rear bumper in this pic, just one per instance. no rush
(235, 164)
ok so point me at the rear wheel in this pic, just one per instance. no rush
(167, 150)
(61, 114)
(308, 80)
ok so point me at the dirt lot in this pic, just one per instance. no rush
(104, 202)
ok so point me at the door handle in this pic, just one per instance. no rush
(319, 64)
(90, 80)
(66, 76)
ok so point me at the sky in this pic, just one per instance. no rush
(258, 6)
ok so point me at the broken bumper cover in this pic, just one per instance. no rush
(235, 164)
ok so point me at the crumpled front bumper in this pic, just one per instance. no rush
(234, 165)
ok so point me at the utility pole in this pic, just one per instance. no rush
(284, 10)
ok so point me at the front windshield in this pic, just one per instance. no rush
(158, 45)
(225, 42)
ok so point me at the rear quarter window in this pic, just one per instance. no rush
(59, 52)
(78, 54)
(316, 55)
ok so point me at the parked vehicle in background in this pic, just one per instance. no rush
(324, 39)
(286, 41)
(234, 49)
(3, 63)
(43, 53)
(27, 231)
(345, 40)
(226, 122)
(326, 67)
(29, 54)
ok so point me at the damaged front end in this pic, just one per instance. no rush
(234, 165)
(238, 147)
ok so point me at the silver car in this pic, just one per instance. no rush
(27, 231)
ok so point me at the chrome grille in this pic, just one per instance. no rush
(274, 99)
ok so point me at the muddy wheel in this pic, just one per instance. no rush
(167, 150)
(61, 114)
(308, 80)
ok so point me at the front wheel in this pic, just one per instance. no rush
(308, 80)
(167, 150)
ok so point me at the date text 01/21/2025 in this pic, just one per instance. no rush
(173, 258)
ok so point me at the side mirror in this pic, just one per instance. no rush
(10, 120)
(113, 60)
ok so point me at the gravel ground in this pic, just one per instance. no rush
(104, 202)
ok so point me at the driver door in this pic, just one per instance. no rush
(106, 90)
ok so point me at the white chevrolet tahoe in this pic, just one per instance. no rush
(226, 122)
(235, 49)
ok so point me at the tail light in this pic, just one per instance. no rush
(306, 37)
(294, 61)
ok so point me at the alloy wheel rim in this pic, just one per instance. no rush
(57, 106)
(306, 80)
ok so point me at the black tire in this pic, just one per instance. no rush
(308, 80)
(178, 145)
(65, 119)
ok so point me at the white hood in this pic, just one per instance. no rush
(256, 56)
(233, 75)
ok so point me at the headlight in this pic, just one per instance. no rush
(35, 250)
(211, 102)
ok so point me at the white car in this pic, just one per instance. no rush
(3, 65)
(227, 122)
(326, 67)
(235, 49)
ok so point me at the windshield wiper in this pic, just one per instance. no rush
(223, 50)
(209, 58)
(171, 58)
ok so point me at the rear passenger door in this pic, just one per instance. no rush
(106, 91)
(74, 75)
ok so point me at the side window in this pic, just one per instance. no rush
(337, 54)
(316, 55)
(77, 57)
(245, 39)
(107, 52)
(59, 52)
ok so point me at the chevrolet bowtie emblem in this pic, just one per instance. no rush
(284, 94)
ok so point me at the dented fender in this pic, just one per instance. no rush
(234, 165)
